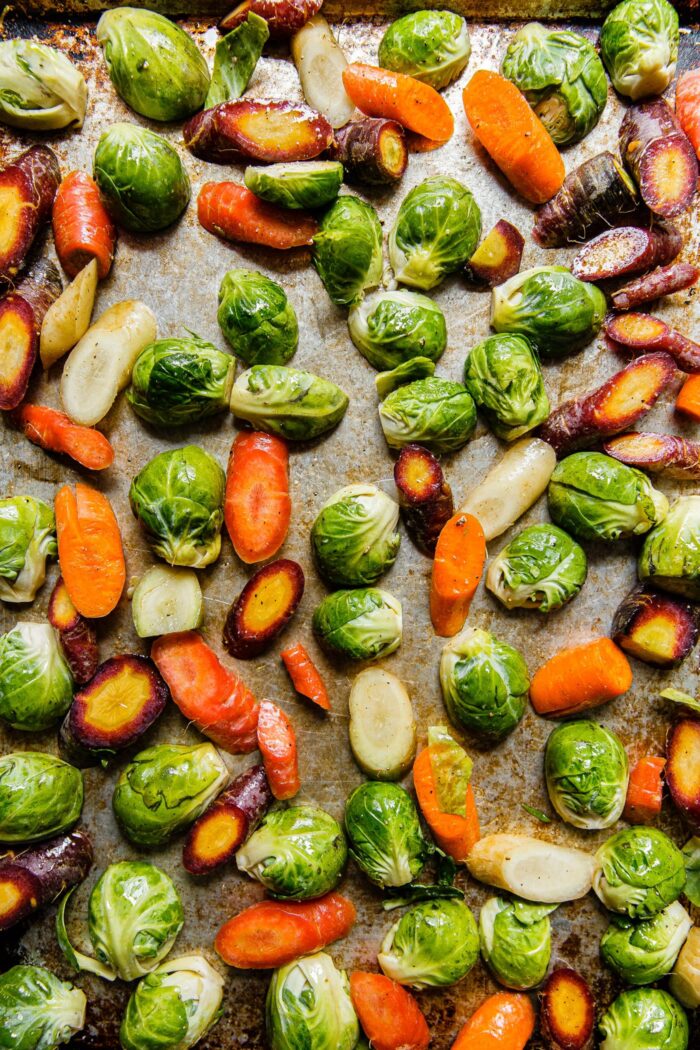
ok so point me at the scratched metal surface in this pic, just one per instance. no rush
(178, 273)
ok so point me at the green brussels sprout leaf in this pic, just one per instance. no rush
(670, 557)
(235, 57)
(406, 372)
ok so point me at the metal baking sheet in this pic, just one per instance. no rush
(178, 274)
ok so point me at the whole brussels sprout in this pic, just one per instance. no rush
(40, 89)
(639, 872)
(296, 184)
(173, 1007)
(504, 377)
(141, 178)
(37, 1011)
(155, 65)
(256, 318)
(285, 401)
(308, 1005)
(354, 537)
(435, 232)
(178, 499)
(586, 770)
(644, 1019)
(347, 251)
(642, 952)
(432, 46)
(541, 568)
(36, 687)
(164, 789)
(561, 76)
(386, 840)
(180, 381)
(389, 328)
(361, 624)
(670, 557)
(485, 683)
(434, 412)
(296, 853)
(639, 46)
(434, 944)
(597, 498)
(556, 311)
(39, 796)
(516, 941)
(27, 539)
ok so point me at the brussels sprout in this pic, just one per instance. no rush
(432, 46)
(670, 556)
(40, 89)
(434, 944)
(597, 498)
(173, 1007)
(644, 1019)
(562, 78)
(256, 318)
(553, 308)
(164, 789)
(385, 835)
(347, 250)
(691, 859)
(642, 952)
(586, 769)
(141, 177)
(484, 683)
(37, 1011)
(361, 624)
(36, 687)
(504, 377)
(354, 537)
(180, 381)
(541, 568)
(435, 232)
(516, 941)
(27, 539)
(639, 46)
(389, 328)
(296, 853)
(639, 872)
(308, 1005)
(178, 499)
(155, 65)
(434, 412)
(408, 371)
(297, 184)
(295, 405)
(39, 796)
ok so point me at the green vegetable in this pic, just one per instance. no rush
(296, 853)
(451, 769)
(406, 372)
(434, 412)
(354, 538)
(37, 1011)
(386, 840)
(155, 65)
(308, 1007)
(541, 568)
(39, 796)
(178, 499)
(516, 941)
(596, 498)
(180, 381)
(586, 770)
(361, 624)
(677, 696)
(504, 377)
(347, 251)
(553, 308)
(691, 859)
(643, 952)
(390, 328)
(27, 539)
(235, 57)
(639, 872)
(256, 318)
(164, 789)
(141, 178)
(36, 687)
(296, 184)
(435, 232)
(432, 46)
(639, 46)
(173, 1007)
(644, 1019)
(165, 600)
(296, 405)
(434, 944)
(670, 557)
(40, 89)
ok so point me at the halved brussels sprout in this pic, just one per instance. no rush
(27, 539)
(435, 232)
(179, 381)
(432, 46)
(295, 405)
(644, 1019)
(586, 770)
(354, 538)
(639, 46)
(173, 1007)
(296, 184)
(670, 557)
(504, 377)
(361, 624)
(639, 872)
(541, 568)
(516, 941)
(347, 251)
(256, 318)
(39, 796)
(308, 1005)
(40, 88)
(643, 952)
(389, 328)
(385, 834)
(36, 687)
(434, 944)
(434, 412)
(37, 1011)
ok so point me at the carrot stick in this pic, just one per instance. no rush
(454, 834)
(55, 432)
(278, 746)
(645, 790)
(90, 550)
(688, 400)
(82, 228)
(390, 1016)
(460, 554)
(504, 1021)
(688, 106)
(257, 507)
(383, 93)
(273, 933)
(233, 212)
(513, 136)
(580, 677)
(305, 677)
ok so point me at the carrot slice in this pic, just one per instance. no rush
(257, 506)
(688, 400)
(82, 228)
(233, 212)
(580, 677)
(383, 93)
(305, 677)
(55, 432)
(390, 1016)
(505, 1021)
(688, 106)
(90, 550)
(278, 746)
(454, 834)
(460, 554)
(645, 790)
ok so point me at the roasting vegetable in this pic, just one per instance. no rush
(684, 982)
(347, 250)
(263, 608)
(283, 19)
(233, 212)
(498, 257)
(308, 1004)
(32, 878)
(278, 746)
(37, 1011)
(235, 57)
(40, 796)
(224, 826)
(516, 941)
(645, 791)
(639, 872)
(503, 376)
(82, 228)
(460, 553)
(390, 328)
(55, 432)
(389, 1015)
(567, 1013)
(90, 550)
(441, 775)
(361, 624)
(288, 402)
(434, 412)
(77, 637)
(682, 770)
(541, 568)
(22, 312)
(176, 382)
(687, 106)
(432, 46)
(36, 687)
(27, 540)
(505, 1019)
(644, 952)
(659, 156)
(531, 868)
(320, 63)
(628, 249)
(298, 184)
(68, 318)
(382, 728)
(383, 93)
(650, 286)
(257, 130)
(669, 555)
(434, 944)
(688, 399)
(484, 684)
(425, 498)
(644, 1017)
(657, 628)
(586, 771)
(386, 840)
(371, 150)
(580, 677)
(639, 46)
(663, 454)
(40, 88)
(642, 331)
(257, 506)
(304, 676)
(27, 189)
(354, 537)
(182, 999)
(165, 600)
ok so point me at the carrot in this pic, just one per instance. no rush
(383, 93)
(580, 677)
(278, 746)
(273, 933)
(645, 790)
(305, 677)
(90, 550)
(82, 228)
(688, 400)
(504, 1021)
(233, 212)
(460, 554)
(55, 432)
(454, 834)
(390, 1016)
(257, 507)
(688, 106)
(513, 136)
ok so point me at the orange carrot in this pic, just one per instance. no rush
(305, 677)
(55, 432)
(580, 677)
(82, 228)
(688, 105)
(278, 746)
(688, 400)
(513, 135)
(459, 561)
(383, 93)
(90, 550)
(273, 933)
(257, 507)
(207, 693)
(504, 1021)
(390, 1016)
(645, 790)
(233, 212)
(454, 834)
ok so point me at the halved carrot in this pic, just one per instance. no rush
(390, 1016)
(504, 1021)
(579, 677)
(383, 93)
(645, 790)
(90, 550)
(688, 400)
(454, 834)
(278, 746)
(257, 507)
(233, 212)
(305, 677)
(55, 432)
(82, 228)
(460, 554)
(688, 105)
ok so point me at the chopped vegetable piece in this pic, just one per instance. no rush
(432, 46)
(664, 454)
(231, 211)
(659, 156)
(55, 432)
(348, 250)
(659, 629)
(264, 131)
(49, 1011)
(256, 318)
(297, 853)
(625, 880)
(82, 228)
(645, 1015)
(27, 189)
(390, 1016)
(263, 609)
(305, 677)
(40, 88)
(669, 554)
(683, 768)
(40, 796)
(645, 790)
(567, 1011)
(425, 498)
(434, 412)
(531, 868)
(235, 57)
(372, 150)
(386, 839)
(167, 599)
(504, 377)
(382, 728)
(504, 1021)
(296, 184)
(77, 636)
(541, 568)
(586, 772)
(684, 982)
(434, 944)
(498, 257)
(257, 507)
(283, 17)
(643, 332)
(625, 250)
(458, 563)
(179, 381)
(278, 746)
(355, 538)
(455, 833)
(320, 63)
(22, 312)
(224, 826)
(288, 402)
(650, 286)
(639, 46)
(308, 1001)
(31, 878)
(580, 677)
(688, 105)
(388, 327)
(68, 318)
(90, 550)
(382, 93)
(36, 687)
(688, 399)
